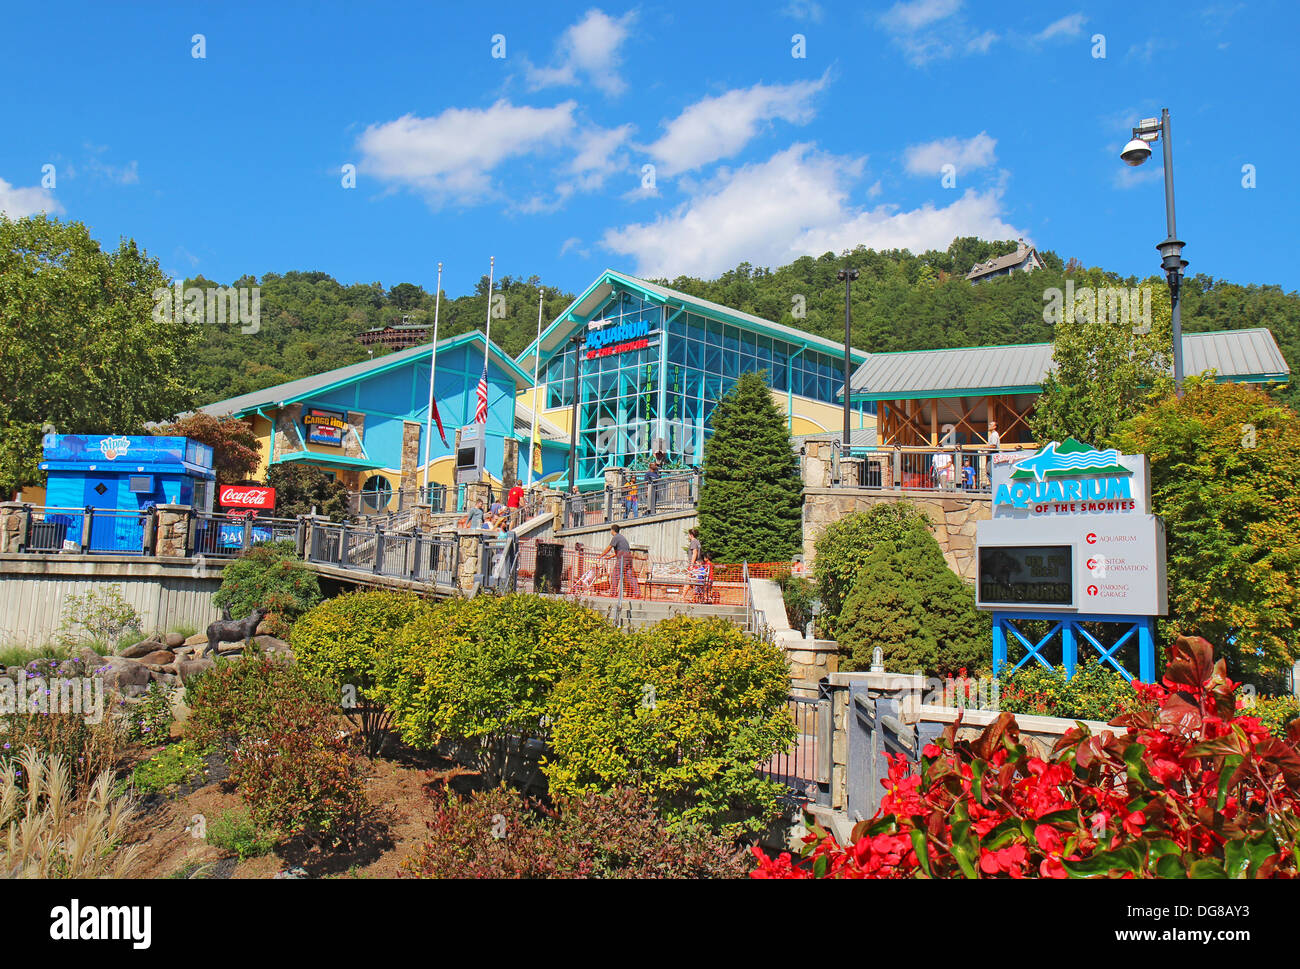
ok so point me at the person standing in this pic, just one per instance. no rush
(693, 548)
(476, 515)
(651, 478)
(994, 438)
(619, 548)
(630, 498)
(515, 504)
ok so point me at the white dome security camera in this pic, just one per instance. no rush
(1135, 152)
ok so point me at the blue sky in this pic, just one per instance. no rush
(232, 163)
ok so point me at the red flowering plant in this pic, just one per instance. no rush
(1192, 789)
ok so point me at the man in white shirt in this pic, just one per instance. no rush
(994, 438)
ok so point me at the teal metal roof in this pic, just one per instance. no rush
(304, 387)
(1241, 355)
(316, 457)
(581, 310)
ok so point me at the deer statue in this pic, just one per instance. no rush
(233, 630)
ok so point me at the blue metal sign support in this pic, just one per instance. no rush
(1070, 630)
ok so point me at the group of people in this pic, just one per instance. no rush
(631, 493)
(501, 516)
(945, 471)
(699, 566)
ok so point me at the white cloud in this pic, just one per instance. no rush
(18, 203)
(906, 17)
(804, 10)
(452, 156)
(1068, 26)
(1126, 176)
(589, 48)
(930, 30)
(965, 154)
(720, 126)
(796, 203)
(128, 174)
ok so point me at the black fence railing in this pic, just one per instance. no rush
(806, 767)
(916, 469)
(220, 535)
(636, 498)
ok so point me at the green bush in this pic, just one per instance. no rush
(483, 670)
(150, 720)
(173, 765)
(1275, 712)
(686, 712)
(1095, 692)
(340, 643)
(799, 595)
(235, 832)
(270, 576)
(909, 603)
(498, 834)
(235, 699)
(844, 547)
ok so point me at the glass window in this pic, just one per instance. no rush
(748, 341)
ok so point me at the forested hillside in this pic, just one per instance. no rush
(901, 301)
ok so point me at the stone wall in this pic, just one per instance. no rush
(410, 480)
(953, 516)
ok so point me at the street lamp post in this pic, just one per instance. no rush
(1171, 250)
(847, 276)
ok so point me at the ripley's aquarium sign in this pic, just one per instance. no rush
(1070, 478)
(624, 337)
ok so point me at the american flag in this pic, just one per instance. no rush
(480, 414)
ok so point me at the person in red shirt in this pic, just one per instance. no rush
(515, 501)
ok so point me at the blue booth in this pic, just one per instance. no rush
(124, 476)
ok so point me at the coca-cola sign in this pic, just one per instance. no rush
(246, 496)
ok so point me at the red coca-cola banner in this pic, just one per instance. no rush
(246, 496)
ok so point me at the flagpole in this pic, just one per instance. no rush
(433, 366)
(487, 336)
(537, 359)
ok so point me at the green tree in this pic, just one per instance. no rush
(299, 488)
(235, 448)
(909, 603)
(844, 547)
(751, 498)
(1105, 370)
(1225, 460)
(269, 576)
(81, 347)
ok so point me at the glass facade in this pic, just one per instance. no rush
(655, 380)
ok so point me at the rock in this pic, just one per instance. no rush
(134, 692)
(292, 873)
(158, 658)
(125, 673)
(172, 640)
(231, 649)
(274, 647)
(198, 639)
(91, 658)
(187, 669)
(180, 709)
(143, 648)
(167, 679)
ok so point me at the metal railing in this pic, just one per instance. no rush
(363, 504)
(917, 469)
(417, 557)
(637, 498)
(99, 530)
(219, 535)
(806, 767)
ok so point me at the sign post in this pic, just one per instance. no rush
(1072, 542)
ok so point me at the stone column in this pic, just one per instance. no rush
(171, 536)
(817, 464)
(469, 547)
(410, 479)
(509, 463)
(13, 520)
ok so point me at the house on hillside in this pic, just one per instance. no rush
(394, 336)
(1024, 260)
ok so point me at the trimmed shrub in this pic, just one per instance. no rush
(499, 834)
(687, 712)
(271, 576)
(483, 670)
(235, 699)
(909, 603)
(798, 594)
(844, 547)
(340, 642)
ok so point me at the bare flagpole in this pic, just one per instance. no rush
(537, 359)
(487, 337)
(433, 369)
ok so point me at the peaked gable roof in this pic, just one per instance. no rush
(578, 313)
(295, 390)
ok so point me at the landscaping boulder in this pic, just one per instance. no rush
(274, 647)
(158, 658)
(166, 679)
(187, 669)
(172, 640)
(198, 639)
(125, 673)
(143, 648)
(91, 658)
